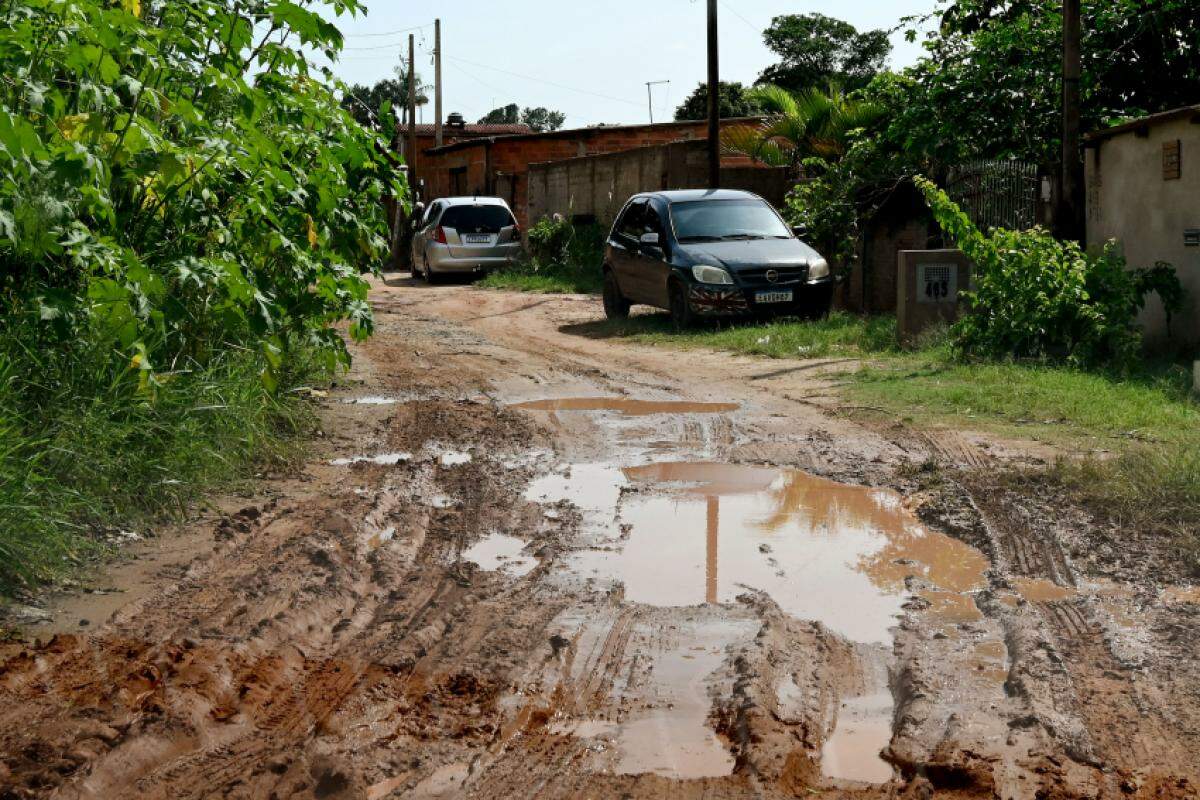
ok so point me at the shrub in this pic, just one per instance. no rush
(1037, 297)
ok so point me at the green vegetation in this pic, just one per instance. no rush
(1037, 297)
(185, 209)
(564, 259)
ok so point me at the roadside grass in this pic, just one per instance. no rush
(1136, 436)
(80, 460)
(546, 279)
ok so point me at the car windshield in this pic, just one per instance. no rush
(720, 220)
(477, 219)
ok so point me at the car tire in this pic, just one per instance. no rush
(615, 304)
(681, 309)
(817, 303)
(428, 274)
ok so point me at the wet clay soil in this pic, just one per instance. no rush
(693, 577)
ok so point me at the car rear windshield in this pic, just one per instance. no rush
(477, 219)
(717, 220)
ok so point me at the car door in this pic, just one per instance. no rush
(654, 264)
(625, 248)
(421, 235)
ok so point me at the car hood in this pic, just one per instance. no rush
(753, 253)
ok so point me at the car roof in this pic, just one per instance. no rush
(691, 195)
(472, 201)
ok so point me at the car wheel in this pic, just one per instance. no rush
(681, 309)
(615, 304)
(427, 273)
(817, 303)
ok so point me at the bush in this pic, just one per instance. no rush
(1037, 297)
(565, 258)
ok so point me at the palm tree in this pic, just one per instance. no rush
(801, 125)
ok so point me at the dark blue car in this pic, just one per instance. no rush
(719, 253)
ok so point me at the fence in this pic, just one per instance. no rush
(997, 194)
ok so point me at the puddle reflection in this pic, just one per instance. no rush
(627, 406)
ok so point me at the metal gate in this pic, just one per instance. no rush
(997, 194)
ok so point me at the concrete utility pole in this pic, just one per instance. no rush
(437, 82)
(411, 150)
(1070, 207)
(714, 100)
(650, 96)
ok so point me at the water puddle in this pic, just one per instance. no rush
(372, 400)
(864, 727)
(385, 460)
(850, 557)
(627, 406)
(452, 458)
(1041, 590)
(500, 552)
(697, 533)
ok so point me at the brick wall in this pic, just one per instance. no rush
(500, 166)
(597, 186)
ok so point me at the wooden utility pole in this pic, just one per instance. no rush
(437, 82)
(714, 100)
(411, 150)
(1070, 215)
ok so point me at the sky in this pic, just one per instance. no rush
(588, 60)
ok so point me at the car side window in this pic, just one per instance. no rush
(432, 214)
(654, 221)
(632, 224)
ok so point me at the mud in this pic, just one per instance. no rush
(702, 579)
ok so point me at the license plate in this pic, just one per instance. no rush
(469, 239)
(773, 297)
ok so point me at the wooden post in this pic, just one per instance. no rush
(714, 100)
(411, 154)
(437, 82)
(1070, 211)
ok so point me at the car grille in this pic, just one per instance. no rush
(756, 278)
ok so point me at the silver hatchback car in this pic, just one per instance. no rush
(465, 235)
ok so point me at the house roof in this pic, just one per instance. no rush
(579, 133)
(1144, 123)
(487, 129)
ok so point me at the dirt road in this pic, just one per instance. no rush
(531, 562)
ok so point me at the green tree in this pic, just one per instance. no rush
(990, 83)
(543, 119)
(735, 102)
(815, 49)
(505, 115)
(364, 102)
(801, 125)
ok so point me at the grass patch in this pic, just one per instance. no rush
(555, 279)
(81, 457)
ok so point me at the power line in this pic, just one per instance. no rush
(548, 83)
(386, 33)
(734, 11)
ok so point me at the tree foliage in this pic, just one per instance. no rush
(815, 50)
(735, 101)
(176, 180)
(539, 119)
(990, 84)
(363, 102)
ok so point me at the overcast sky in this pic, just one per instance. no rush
(588, 60)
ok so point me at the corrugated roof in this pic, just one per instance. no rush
(488, 129)
(1145, 123)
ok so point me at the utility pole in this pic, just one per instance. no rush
(650, 96)
(437, 82)
(714, 100)
(412, 115)
(1070, 206)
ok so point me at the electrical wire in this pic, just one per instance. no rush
(548, 83)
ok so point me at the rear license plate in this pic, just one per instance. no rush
(469, 239)
(773, 297)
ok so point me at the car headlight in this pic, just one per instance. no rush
(818, 268)
(707, 274)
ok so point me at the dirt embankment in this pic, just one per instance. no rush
(761, 598)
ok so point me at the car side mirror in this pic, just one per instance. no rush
(649, 240)
(800, 230)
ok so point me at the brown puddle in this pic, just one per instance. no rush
(824, 551)
(627, 406)
(696, 532)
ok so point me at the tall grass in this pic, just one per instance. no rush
(82, 451)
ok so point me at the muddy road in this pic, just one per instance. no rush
(531, 562)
